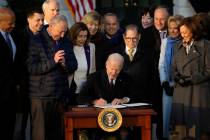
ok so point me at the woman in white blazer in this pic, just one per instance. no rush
(85, 55)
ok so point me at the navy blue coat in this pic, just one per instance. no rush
(48, 79)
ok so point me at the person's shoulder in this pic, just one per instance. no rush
(149, 29)
(150, 33)
(66, 38)
(95, 76)
(121, 31)
(207, 42)
(202, 44)
(91, 45)
(66, 42)
(43, 34)
(124, 76)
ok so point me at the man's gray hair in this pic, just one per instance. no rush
(111, 15)
(57, 19)
(132, 27)
(46, 2)
(116, 57)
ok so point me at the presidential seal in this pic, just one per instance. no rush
(110, 119)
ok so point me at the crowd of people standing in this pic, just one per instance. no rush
(48, 66)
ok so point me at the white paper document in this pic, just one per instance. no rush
(136, 104)
(110, 106)
(122, 105)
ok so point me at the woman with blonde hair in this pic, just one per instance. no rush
(165, 62)
(93, 22)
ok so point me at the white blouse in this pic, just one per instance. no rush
(80, 75)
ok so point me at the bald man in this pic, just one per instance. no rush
(107, 86)
(7, 73)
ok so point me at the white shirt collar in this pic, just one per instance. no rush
(3, 34)
(134, 50)
(45, 22)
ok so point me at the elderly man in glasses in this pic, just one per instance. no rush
(137, 64)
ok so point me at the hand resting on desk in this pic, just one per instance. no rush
(116, 101)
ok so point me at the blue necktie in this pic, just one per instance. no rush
(8, 41)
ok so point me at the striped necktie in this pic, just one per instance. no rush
(130, 53)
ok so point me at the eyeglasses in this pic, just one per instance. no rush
(129, 39)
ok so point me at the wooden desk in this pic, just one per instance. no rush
(87, 118)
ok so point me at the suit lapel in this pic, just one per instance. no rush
(193, 55)
(104, 80)
(107, 90)
(138, 54)
(4, 45)
(118, 81)
(87, 54)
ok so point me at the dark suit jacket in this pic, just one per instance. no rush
(97, 86)
(150, 38)
(150, 41)
(8, 72)
(23, 42)
(105, 46)
(26, 36)
(139, 69)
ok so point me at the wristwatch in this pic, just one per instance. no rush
(126, 99)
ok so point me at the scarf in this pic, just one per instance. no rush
(170, 52)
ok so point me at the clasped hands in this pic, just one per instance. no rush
(183, 80)
(102, 102)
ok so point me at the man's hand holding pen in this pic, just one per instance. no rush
(116, 101)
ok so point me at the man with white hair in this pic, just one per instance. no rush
(107, 86)
(50, 9)
(50, 61)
